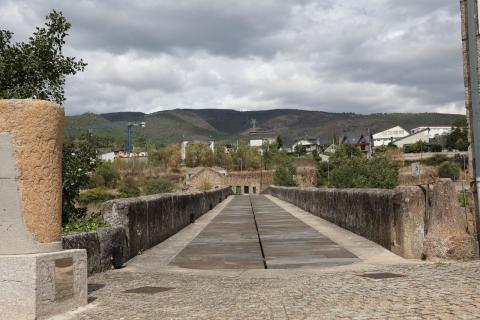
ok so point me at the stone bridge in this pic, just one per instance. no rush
(258, 257)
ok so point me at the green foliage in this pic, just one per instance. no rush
(449, 170)
(85, 224)
(300, 150)
(109, 173)
(349, 168)
(279, 142)
(155, 186)
(436, 160)
(79, 159)
(458, 138)
(323, 169)
(96, 195)
(272, 156)
(199, 154)
(284, 175)
(465, 199)
(37, 68)
(128, 189)
(246, 157)
(97, 181)
(461, 145)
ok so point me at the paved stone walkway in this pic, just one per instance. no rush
(412, 290)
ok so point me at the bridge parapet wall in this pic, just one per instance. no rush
(395, 219)
(149, 220)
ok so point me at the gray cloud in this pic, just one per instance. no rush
(354, 56)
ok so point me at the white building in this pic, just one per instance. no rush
(422, 135)
(109, 157)
(258, 137)
(433, 131)
(310, 144)
(385, 137)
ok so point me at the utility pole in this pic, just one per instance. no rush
(470, 41)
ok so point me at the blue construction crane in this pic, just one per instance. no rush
(130, 125)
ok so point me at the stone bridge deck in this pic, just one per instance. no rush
(252, 232)
(215, 269)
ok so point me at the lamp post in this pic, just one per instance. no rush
(130, 125)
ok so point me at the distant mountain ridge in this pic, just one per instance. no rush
(224, 124)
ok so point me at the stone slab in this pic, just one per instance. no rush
(38, 286)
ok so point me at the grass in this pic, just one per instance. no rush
(86, 224)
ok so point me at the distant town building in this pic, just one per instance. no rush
(186, 142)
(109, 156)
(121, 154)
(433, 131)
(385, 137)
(363, 141)
(245, 182)
(258, 136)
(310, 144)
(422, 135)
(331, 149)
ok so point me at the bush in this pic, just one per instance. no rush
(155, 186)
(349, 169)
(128, 189)
(465, 199)
(97, 181)
(449, 170)
(322, 173)
(205, 185)
(284, 175)
(96, 195)
(86, 224)
(436, 160)
(78, 161)
(109, 173)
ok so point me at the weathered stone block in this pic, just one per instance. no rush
(31, 138)
(38, 286)
(446, 236)
(409, 222)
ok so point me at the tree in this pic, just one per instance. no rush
(300, 149)
(199, 154)
(79, 159)
(37, 69)
(285, 175)
(246, 157)
(349, 168)
(458, 138)
(279, 142)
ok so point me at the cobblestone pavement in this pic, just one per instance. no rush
(424, 290)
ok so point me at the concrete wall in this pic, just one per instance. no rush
(394, 219)
(99, 246)
(150, 220)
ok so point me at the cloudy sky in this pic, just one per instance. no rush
(361, 56)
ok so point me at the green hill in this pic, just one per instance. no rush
(170, 126)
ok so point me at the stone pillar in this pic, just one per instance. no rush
(446, 227)
(37, 278)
